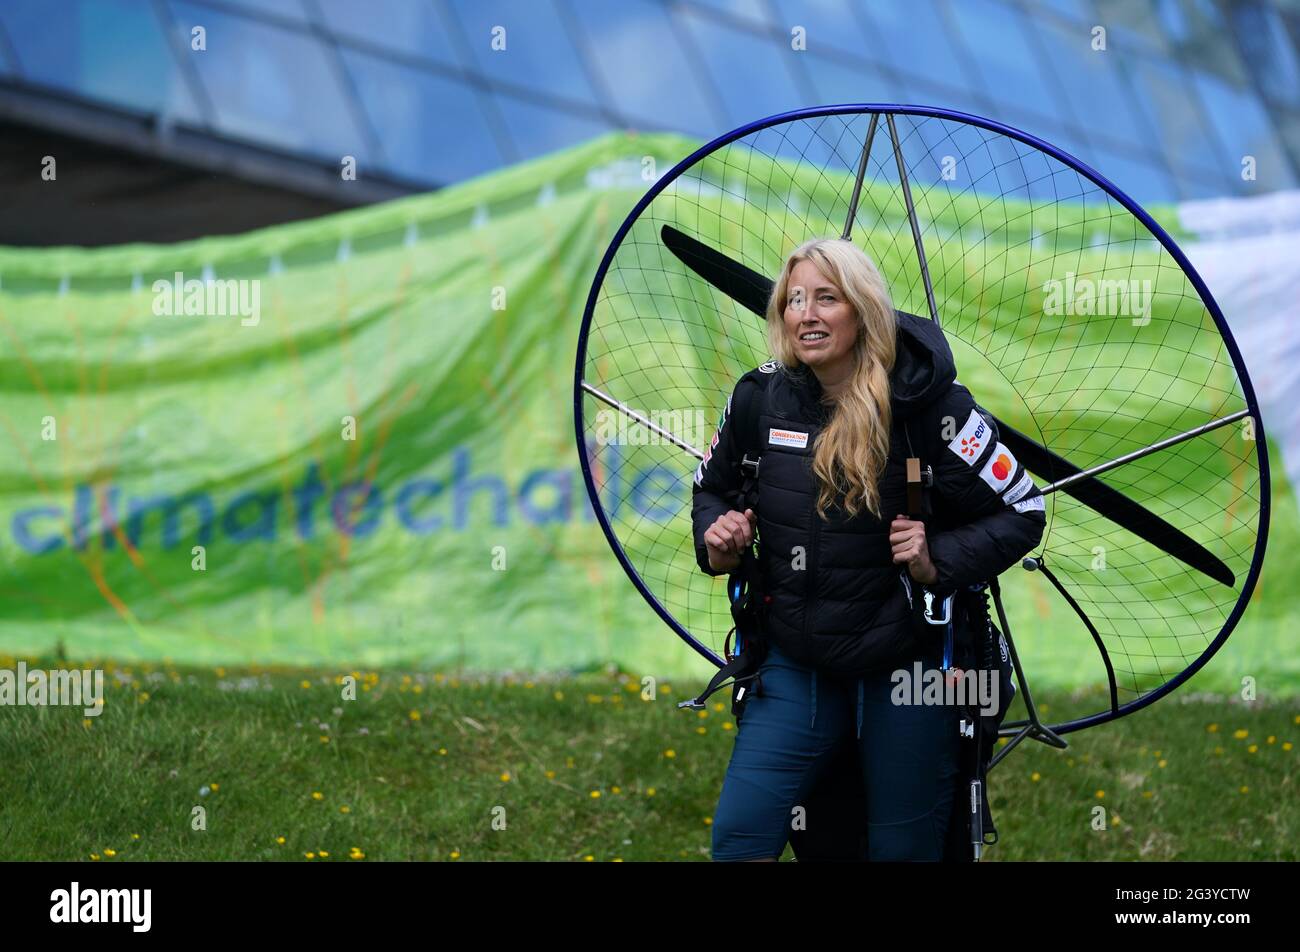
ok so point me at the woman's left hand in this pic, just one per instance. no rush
(907, 538)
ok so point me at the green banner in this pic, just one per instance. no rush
(343, 441)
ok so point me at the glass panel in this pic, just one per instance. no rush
(1098, 97)
(751, 73)
(1269, 53)
(1245, 129)
(272, 85)
(1145, 182)
(414, 28)
(539, 52)
(1010, 68)
(830, 23)
(432, 129)
(537, 130)
(915, 40)
(1177, 123)
(837, 83)
(642, 64)
(753, 9)
(289, 9)
(79, 47)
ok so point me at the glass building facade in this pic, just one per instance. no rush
(1171, 99)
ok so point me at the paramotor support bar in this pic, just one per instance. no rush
(1032, 727)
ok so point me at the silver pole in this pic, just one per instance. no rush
(654, 428)
(911, 217)
(1145, 451)
(862, 172)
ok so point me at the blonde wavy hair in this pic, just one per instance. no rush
(849, 454)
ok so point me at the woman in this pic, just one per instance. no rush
(856, 388)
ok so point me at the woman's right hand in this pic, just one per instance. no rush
(729, 536)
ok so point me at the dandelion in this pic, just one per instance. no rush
(558, 695)
(356, 854)
(595, 794)
(1161, 764)
(1286, 745)
(86, 722)
(1213, 728)
(616, 790)
(110, 853)
(305, 684)
(727, 726)
(1101, 794)
(345, 809)
(442, 751)
(1147, 794)
(1272, 739)
(589, 858)
(309, 855)
(135, 836)
(317, 795)
(701, 730)
(455, 854)
(505, 776)
(1253, 748)
(550, 775)
(94, 857)
(708, 821)
(1245, 789)
(279, 840)
(650, 791)
(1035, 776)
(414, 715)
(1241, 733)
(324, 855)
(670, 753)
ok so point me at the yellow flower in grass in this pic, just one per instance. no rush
(1213, 728)
(309, 855)
(304, 684)
(94, 857)
(110, 853)
(414, 715)
(1286, 745)
(1245, 789)
(345, 809)
(317, 795)
(1162, 764)
(1035, 776)
(1252, 749)
(455, 854)
(650, 791)
(595, 794)
(505, 776)
(1241, 733)
(670, 753)
(550, 775)
(1101, 794)
(1147, 794)
(279, 840)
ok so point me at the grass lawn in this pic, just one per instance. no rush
(438, 767)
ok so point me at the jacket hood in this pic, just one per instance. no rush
(924, 367)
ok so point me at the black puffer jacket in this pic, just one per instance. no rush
(837, 598)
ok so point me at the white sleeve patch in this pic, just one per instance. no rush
(997, 472)
(1025, 505)
(1017, 492)
(969, 443)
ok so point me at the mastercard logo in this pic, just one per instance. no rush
(1002, 466)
